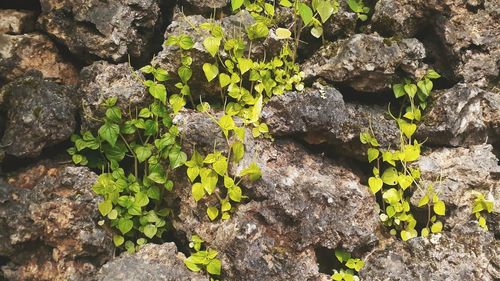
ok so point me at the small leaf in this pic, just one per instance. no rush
(390, 176)
(109, 132)
(186, 42)
(236, 4)
(224, 80)
(373, 154)
(211, 71)
(398, 90)
(410, 89)
(439, 208)
(437, 227)
(118, 240)
(105, 207)
(305, 13)
(212, 45)
(197, 191)
(214, 267)
(317, 31)
(423, 201)
(212, 213)
(142, 153)
(125, 225)
(375, 184)
(283, 33)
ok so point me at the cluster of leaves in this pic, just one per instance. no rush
(353, 266)
(359, 8)
(481, 205)
(203, 259)
(394, 175)
(133, 193)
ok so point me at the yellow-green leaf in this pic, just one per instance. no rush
(375, 184)
(283, 33)
(439, 208)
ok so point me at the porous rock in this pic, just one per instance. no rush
(16, 22)
(20, 53)
(151, 263)
(467, 253)
(101, 81)
(203, 6)
(48, 217)
(109, 30)
(366, 62)
(40, 114)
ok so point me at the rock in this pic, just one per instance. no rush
(460, 116)
(151, 263)
(367, 63)
(16, 22)
(101, 81)
(49, 227)
(203, 6)
(20, 53)
(467, 253)
(40, 113)
(109, 30)
(459, 175)
(342, 23)
(321, 116)
(301, 202)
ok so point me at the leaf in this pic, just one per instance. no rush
(109, 132)
(257, 30)
(220, 166)
(177, 158)
(373, 154)
(159, 92)
(432, 74)
(252, 171)
(125, 225)
(305, 13)
(226, 123)
(212, 45)
(214, 267)
(342, 255)
(245, 65)
(236, 4)
(408, 129)
(184, 73)
(391, 196)
(405, 181)
(375, 184)
(186, 42)
(238, 149)
(212, 212)
(439, 208)
(283, 33)
(410, 89)
(325, 10)
(286, 3)
(235, 193)
(118, 240)
(224, 80)
(142, 153)
(193, 173)
(211, 71)
(390, 176)
(398, 90)
(177, 102)
(423, 201)
(191, 265)
(114, 114)
(317, 31)
(197, 191)
(105, 207)
(437, 227)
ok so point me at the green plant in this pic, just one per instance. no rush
(353, 266)
(203, 259)
(395, 175)
(359, 8)
(481, 205)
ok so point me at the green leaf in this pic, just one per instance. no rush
(235, 193)
(286, 3)
(214, 267)
(236, 4)
(109, 132)
(238, 149)
(252, 171)
(125, 225)
(342, 255)
(257, 30)
(211, 71)
(212, 212)
(197, 191)
(408, 129)
(224, 80)
(432, 74)
(305, 13)
(245, 65)
(375, 184)
(325, 10)
(220, 166)
(158, 91)
(114, 114)
(193, 173)
(373, 154)
(283, 33)
(425, 232)
(391, 196)
(191, 265)
(186, 42)
(398, 90)
(405, 181)
(317, 31)
(118, 240)
(423, 201)
(142, 153)
(177, 158)
(141, 199)
(150, 230)
(212, 45)
(439, 208)
(390, 176)
(410, 89)
(105, 207)
(177, 102)
(437, 227)
(184, 73)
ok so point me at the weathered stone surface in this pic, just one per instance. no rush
(151, 263)
(40, 113)
(49, 227)
(342, 23)
(101, 81)
(462, 115)
(303, 202)
(459, 175)
(16, 22)
(367, 63)
(467, 253)
(203, 6)
(321, 116)
(20, 53)
(109, 30)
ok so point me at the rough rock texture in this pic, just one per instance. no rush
(462, 115)
(16, 22)
(20, 53)
(151, 263)
(105, 29)
(40, 113)
(203, 6)
(298, 209)
(467, 253)
(321, 116)
(367, 63)
(459, 175)
(103, 80)
(48, 221)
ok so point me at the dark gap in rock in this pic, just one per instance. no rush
(351, 95)
(326, 260)
(308, 46)
(475, 8)
(33, 5)
(4, 260)
(191, 10)
(496, 150)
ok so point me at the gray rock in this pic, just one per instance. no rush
(302, 202)
(16, 22)
(150, 263)
(467, 253)
(458, 176)
(367, 63)
(48, 220)
(203, 6)
(20, 53)
(321, 116)
(462, 115)
(40, 114)
(101, 81)
(109, 30)
(343, 23)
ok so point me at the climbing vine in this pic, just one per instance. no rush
(481, 205)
